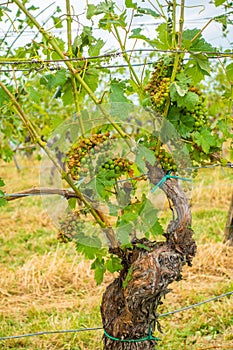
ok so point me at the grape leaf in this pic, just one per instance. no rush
(90, 10)
(113, 264)
(130, 4)
(229, 71)
(90, 247)
(34, 94)
(128, 277)
(117, 91)
(163, 41)
(199, 44)
(94, 50)
(98, 266)
(105, 179)
(202, 62)
(57, 22)
(190, 100)
(144, 154)
(177, 88)
(124, 231)
(104, 7)
(136, 34)
(219, 2)
(2, 202)
(147, 11)
(205, 139)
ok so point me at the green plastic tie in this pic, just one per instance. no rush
(149, 337)
(164, 179)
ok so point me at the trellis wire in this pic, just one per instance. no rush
(101, 328)
(215, 54)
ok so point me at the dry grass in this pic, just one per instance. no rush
(47, 286)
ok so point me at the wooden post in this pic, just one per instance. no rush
(228, 235)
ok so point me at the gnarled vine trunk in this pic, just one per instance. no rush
(129, 312)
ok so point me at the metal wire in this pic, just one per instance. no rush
(100, 328)
(33, 61)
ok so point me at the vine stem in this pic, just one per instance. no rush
(230, 103)
(70, 53)
(95, 213)
(49, 37)
(178, 46)
(126, 57)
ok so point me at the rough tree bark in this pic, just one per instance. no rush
(130, 312)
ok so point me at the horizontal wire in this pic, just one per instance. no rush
(215, 54)
(195, 305)
(101, 328)
(51, 332)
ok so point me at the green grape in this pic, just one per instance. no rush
(70, 226)
(83, 152)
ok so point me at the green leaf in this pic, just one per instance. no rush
(130, 4)
(94, 50)
(177, 88)
(199, 44)
(136, 34)
(194, 72)
(132, 211)
(113, 264)
(90, 10)
(117, 91)
(128, 277)
(162, 41)
(183, 123)
(229, 71)
(90, 247)
(190, 100)
(72, 203)
(104, 182)
(203, 62)
(2, 183)
(3, 202)
(143, 246)
(144, 154)
(219, 2)
(34, 94)
(147, 11)
(104, 7)
(98, 266)
(52, 81)
(204, 139)
(92, 79)
(123, 232)
(57, 22)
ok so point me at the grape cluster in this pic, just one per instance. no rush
(165, 160)
(199, 113)
(70, 226)
(118, 165)
(159, 92)
(81, 155)
(158, 86)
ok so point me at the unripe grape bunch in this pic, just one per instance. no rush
(119, 166)
(199, 113)
(158, 86)
(70, 227)
(81, 156)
